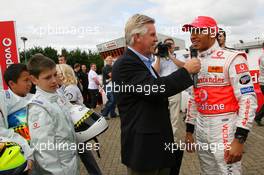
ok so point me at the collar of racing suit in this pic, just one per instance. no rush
(15, 102)
(52, 97)
(209, 51)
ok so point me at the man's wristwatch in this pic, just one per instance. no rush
(241, 139)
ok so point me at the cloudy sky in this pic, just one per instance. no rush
(86, 23)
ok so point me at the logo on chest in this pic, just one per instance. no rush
(203, 95)
(214, 79)
(218, 55)
(215, 69)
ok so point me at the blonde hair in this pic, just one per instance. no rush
(136, 25)
(108, 58)
(68, 75)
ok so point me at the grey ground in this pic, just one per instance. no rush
(110, 162)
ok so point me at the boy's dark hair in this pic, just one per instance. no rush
(63, 56)
(38, 63)
(13, 72)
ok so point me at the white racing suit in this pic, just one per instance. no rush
(73, 94)
(13, 124)
(223, 103)
(52, 135)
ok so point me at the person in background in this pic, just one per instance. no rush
(93, 87)
(165, 66)
(260, 114)
(107, 82)
(62, 59)
(84, 81)
(68, 83)
(221, 39)
(77, 71)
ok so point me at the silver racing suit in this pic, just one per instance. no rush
(52, 135)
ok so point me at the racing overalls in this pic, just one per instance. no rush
(52, 135)
(13, 120)
(224, 103)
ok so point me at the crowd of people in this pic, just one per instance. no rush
(30, 120)
(221, 108)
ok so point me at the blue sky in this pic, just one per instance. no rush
(85, 23)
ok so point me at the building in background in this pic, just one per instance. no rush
(254, 51)
(115, 48)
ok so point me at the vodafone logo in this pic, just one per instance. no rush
(218, 55)
(35, 125)
(203, 95)
(225, 134)
(241, 68)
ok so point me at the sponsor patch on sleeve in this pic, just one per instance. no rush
(246, 90)
(69, 96)
(241, 68)
(245, 79)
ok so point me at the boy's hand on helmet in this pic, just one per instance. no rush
(2, 145)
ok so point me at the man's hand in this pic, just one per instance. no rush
(234, 154)
(171, 56)
(189, 141)
(193, 65)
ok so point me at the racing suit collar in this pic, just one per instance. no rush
(209, 51)
(52, 97)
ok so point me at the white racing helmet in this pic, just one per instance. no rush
(87, 123)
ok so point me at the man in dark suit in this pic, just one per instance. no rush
(142, 99)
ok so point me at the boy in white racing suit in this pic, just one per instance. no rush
(51, 129)
(13, 122)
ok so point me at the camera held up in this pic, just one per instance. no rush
(162, 49)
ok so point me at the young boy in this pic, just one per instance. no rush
(13, 123)
(50, 127)
(17, 96)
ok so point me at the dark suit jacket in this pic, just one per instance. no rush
(145, 121)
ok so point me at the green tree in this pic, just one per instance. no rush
(48, 51)
(74, 56)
